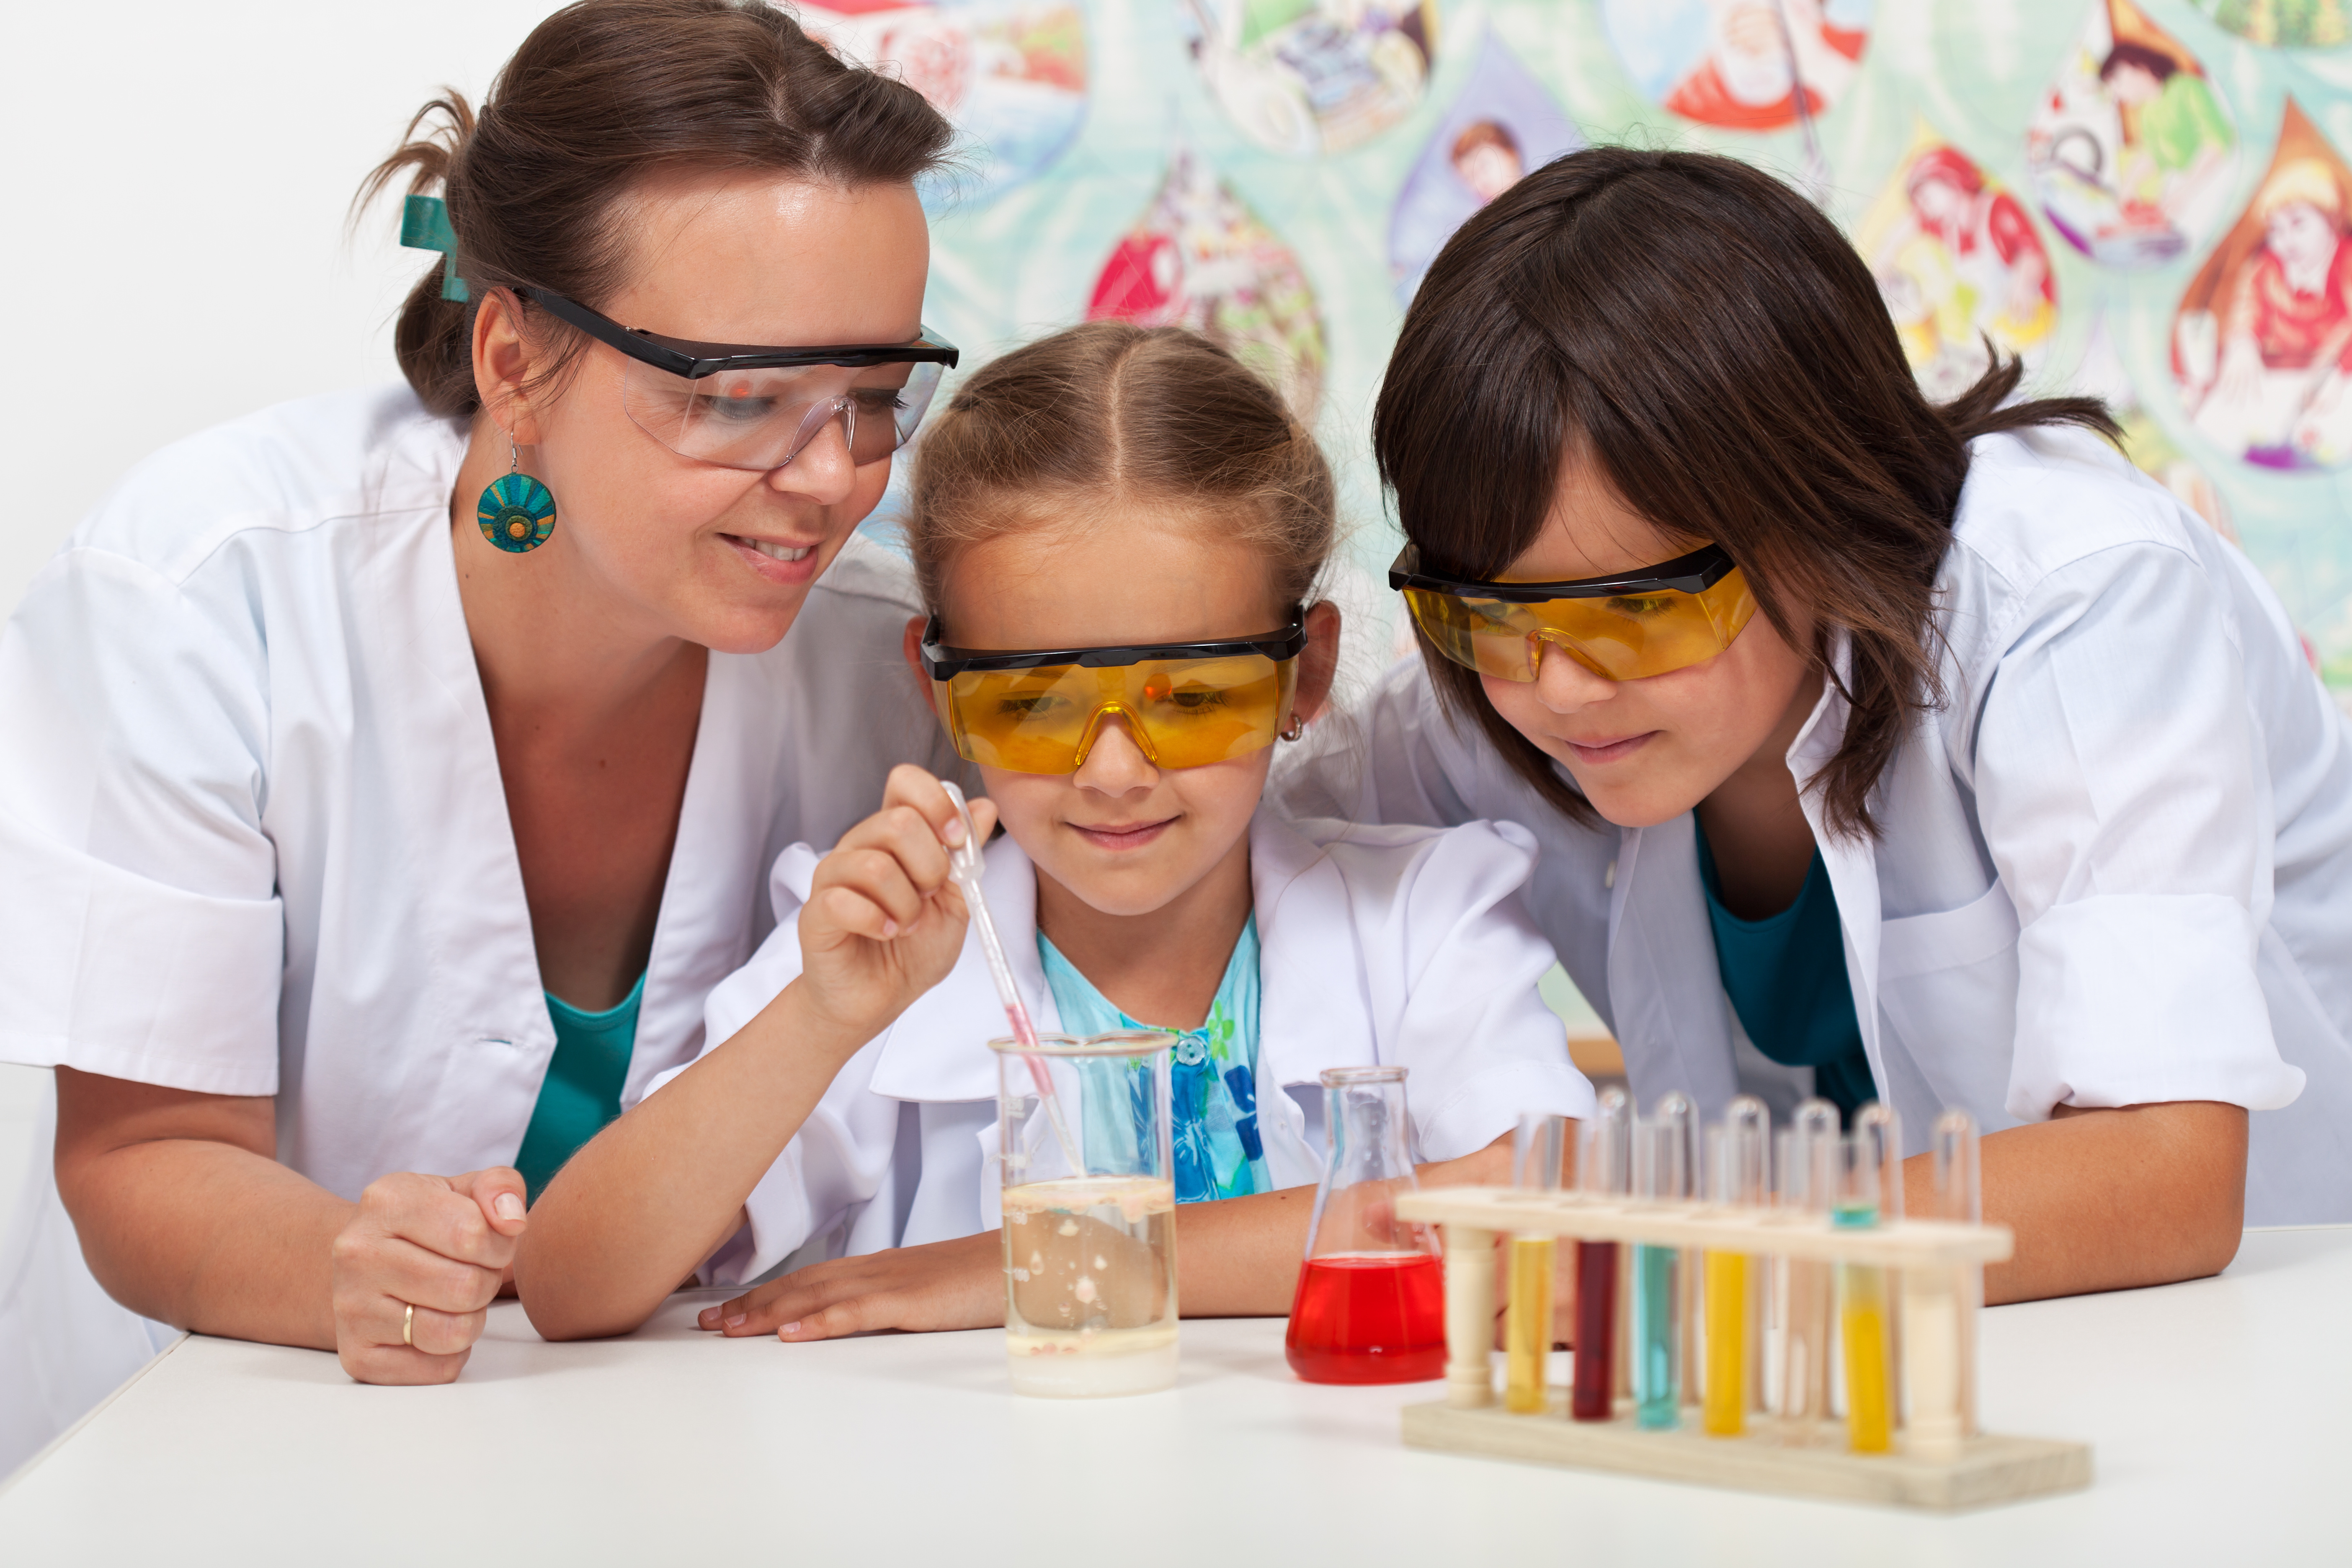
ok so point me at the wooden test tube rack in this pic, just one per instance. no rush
(1937, 1464)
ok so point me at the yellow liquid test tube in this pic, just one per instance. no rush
(1869, 1394)
(1724, 1408)
(1527, 1323)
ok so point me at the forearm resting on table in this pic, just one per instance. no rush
(2109, 1199)
(1239, 1258)
(185, 1217)
(653, 1195)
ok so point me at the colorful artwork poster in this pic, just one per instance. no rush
(1011, 74)
(1199, 258)
(1502, 124)
(2284, 24)
(1743, 65)
(2101, 374)
(1957, 261)
(2263, 343)
(1304, 77)
(2132, 152)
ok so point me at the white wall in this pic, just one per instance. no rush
(176, 178)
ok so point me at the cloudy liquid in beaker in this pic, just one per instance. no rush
(1090, 1286)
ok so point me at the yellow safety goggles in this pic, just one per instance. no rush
(1185, 704)
(1664, 618)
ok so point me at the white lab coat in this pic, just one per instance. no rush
(255, 842)
(1383, 945)
(2114, 866)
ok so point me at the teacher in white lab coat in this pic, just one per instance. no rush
(386, 778)
(1877, 749)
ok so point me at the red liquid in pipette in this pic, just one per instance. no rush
(1369, 1318)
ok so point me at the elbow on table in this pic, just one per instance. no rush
(559, 1312)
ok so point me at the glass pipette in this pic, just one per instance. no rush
(964, 867)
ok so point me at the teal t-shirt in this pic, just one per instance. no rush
(1213, 1079)
(1785, 977)
(582, 1091)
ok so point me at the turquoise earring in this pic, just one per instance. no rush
(517, 513)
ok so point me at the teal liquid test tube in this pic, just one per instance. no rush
(1661, 1172)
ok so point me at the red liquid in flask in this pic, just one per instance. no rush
(1369, 1318)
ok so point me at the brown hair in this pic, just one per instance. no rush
(602, 95)
(1112, 413)
(1713, 343)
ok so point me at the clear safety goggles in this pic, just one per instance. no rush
(1185, 704)
(740, 406)
(1664, 618)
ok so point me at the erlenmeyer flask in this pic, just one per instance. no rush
(1371, 1306)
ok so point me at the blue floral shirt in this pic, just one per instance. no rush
(1212, 1080)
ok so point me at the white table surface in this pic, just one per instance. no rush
(2217, 1410)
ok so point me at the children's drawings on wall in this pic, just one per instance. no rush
(2131, 152)
(1199, 258)
(1502, 124)
(1744, 65)
(2101, 374)
(2284, 23)
(1957, 261)
(2263, 345)
(1304, 77)
(1011, 74)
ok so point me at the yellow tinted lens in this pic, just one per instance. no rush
(1185, 713)
(1625, 637)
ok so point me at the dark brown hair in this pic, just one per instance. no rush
(1715, 345)
(600, 96)
(1111, 414)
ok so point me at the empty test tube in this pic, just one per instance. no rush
(1736, 1176)
(1536, 1149)
(1862, 1306)
(1942, 1315)
(1808, 1174)
(1661, 1172)
(1605, 1168)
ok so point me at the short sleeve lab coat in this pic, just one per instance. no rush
(2115, 865)
(1390, 946)
(252, 831)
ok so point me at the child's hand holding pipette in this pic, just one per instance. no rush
(884, 921)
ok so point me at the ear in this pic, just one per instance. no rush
(911, 644)
(502, 365)
(1318, 662)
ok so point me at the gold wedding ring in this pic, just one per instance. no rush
(408, 1326)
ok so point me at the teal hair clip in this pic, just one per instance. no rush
(425, 225)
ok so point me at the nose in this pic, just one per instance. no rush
(823, 470)
(1564, 683)
(1114, 764)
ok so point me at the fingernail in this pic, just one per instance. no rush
(789, 1330)
(508, 1206)
(737, 1321)
(707, 1318)
(952, 835)
(889, 927)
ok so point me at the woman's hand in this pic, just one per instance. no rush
(940, 1285)
(440, 1245)
(883, 923)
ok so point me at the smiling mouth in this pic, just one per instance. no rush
(774, 551)
(1121, 835)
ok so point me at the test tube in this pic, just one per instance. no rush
(1536, 1149)
(1604, 1168)
(1862, 1306)
(1736, 1176)
(1881, 1132)
(1809, 1173)
(1942, 1314)
(1662, 1173)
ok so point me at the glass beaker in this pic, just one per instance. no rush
(1089, 1214)
(1371, 1306)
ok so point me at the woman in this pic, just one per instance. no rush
(1877, 749)
(390, 777)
